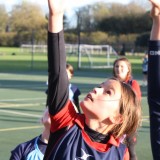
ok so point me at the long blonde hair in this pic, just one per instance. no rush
(130, 110)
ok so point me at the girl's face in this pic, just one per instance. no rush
(121, 70)
(103, 101)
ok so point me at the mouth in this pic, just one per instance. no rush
(89, 97)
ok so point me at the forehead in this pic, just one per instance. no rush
(111, 83)
(121, 63)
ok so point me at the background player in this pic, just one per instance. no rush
(154, 80)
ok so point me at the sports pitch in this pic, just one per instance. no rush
(23, 99)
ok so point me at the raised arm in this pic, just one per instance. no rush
(154, 80)
(58, 80)
(154, 53)
(155, 14)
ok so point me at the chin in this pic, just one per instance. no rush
(84, 107)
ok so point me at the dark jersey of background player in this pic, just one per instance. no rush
(154, 80)
(32, 149)
(154, 96)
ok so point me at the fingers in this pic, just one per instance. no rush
(56, 10)
(154, 12)
(155, 3)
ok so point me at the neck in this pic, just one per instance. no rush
(100, 127)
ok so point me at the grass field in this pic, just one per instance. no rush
(23, 98)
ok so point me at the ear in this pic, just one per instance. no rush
(116, 120)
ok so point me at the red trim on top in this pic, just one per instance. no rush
(68, 117)
(80, 120)
(63, 118)
(135, 86)
(137, 89)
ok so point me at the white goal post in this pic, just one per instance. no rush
(29, 48)
(93, 56)
(89, 56)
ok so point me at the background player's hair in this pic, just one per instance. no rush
(70, 68)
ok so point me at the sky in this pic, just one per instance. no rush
(73, 3)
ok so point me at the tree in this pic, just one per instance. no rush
(142, 39)
(131, 9)
(3, 18)
(144, 4)
(85, 15)
(26, 19)
(100, 11)
(129, 19)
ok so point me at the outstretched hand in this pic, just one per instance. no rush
(56, 10)
(156, 3)
(155, 11)
(155, 14)
(56, 6)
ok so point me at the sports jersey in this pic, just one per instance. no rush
(154, 96)
(33, 149)
(145, 65)
(135, 86)
(68, 138)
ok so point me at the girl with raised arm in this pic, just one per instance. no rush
(109, 110)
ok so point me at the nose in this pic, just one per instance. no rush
(97, 90)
